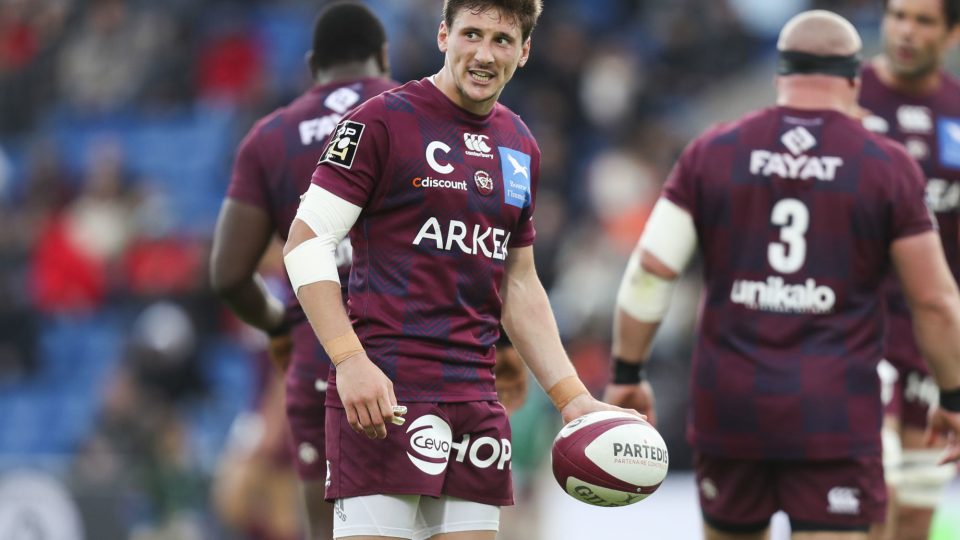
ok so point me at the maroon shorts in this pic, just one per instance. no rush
(305, 413)
(914, 392)
(740, 496)
(456, 449)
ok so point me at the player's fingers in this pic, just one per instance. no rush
(366, 424)
(376, 420)
(929, 436)
(352, 418)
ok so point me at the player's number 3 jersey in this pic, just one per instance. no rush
(445, 195)
(795, 212)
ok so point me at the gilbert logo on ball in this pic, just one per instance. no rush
(609, 458)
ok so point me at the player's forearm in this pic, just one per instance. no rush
(529, 321)
(250, 300)
(937, 327)
(632, 339)
(322, 301)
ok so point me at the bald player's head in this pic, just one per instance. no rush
(820, 32)
(819, 42)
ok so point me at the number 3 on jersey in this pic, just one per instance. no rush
(793, 218)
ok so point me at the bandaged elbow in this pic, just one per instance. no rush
(642, 294)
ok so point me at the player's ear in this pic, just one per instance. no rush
(442, 34)
(524, 53)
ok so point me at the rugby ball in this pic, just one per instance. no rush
(609, 458)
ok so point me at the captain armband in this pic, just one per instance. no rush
(669, 236)
(330, 218)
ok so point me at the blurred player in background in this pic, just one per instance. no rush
(349, 64)
(909, 97)
(435, 182)
(798, 212)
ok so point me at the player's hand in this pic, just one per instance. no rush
(367, 395)
(945, 424)
(511, 378)
(633, 396)
(585, 403)
(280, 351)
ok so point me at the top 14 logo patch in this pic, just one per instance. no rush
(515, 166)
(342, 147)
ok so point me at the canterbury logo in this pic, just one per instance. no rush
(476, 144)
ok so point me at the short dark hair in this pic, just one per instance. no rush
(346, 31)
(526, 12)
(951, 11)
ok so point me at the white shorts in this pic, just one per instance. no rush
(411, 516)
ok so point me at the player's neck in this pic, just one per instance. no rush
(927, 83)
(813, 99)
(348, 71)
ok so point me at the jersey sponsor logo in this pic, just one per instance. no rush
(429, 182)
(948, 135)
(484, 452)
(484, 182)
(777, 296)
(431, 154)
(515, 166)
(942, 195)
(342, 148)
(876, 124)
(341, 100)
(843, 500)
(802, 167)
(489, 242)
(429, 443)
(798, 140)
(915, 119)
(317, 129)
(477, 145)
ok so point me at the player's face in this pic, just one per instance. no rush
(915, 37)
(483, 49)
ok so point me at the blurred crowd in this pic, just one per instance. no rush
(118, 120)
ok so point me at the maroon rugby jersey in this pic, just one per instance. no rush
(795, 212)
(929, 127)
(445, 195)
(273, 168)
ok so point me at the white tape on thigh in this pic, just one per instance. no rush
(892, 456)
(451, 515)
(923, 481)
(376, 515)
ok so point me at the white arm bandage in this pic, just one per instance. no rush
(671, 237)
(330, 218)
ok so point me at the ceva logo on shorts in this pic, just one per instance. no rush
(430, 439)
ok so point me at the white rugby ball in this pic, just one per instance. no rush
(609, 458)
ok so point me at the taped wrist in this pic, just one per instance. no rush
(628, 372)
(950, 400)
(342, 347)
(565, 390)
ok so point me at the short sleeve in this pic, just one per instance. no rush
(248, 181)
(525, 232)
(355, 157)
(680, 187)
(910, 213)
